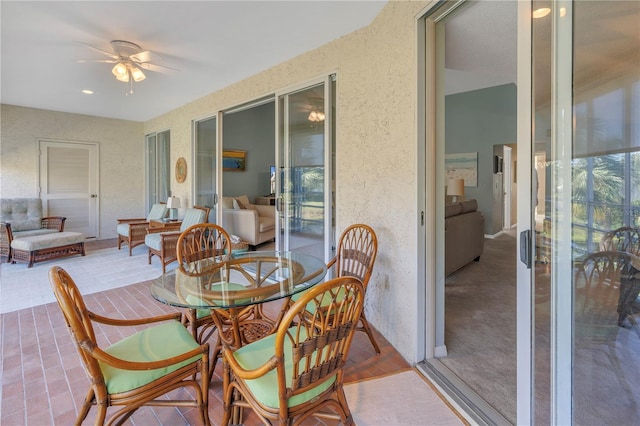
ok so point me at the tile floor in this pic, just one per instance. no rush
(43, 382)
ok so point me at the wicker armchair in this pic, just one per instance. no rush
(47, 225)
(133, 231)
(297, 373)
(138, 370)
(624, 239)
(163, 244)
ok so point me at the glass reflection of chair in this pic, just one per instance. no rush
(627, 240)
(297, 372)
(624, 239)
(137, 370)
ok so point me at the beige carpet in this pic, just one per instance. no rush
(22, 287)
(404, 398)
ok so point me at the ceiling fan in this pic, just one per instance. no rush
(128, 58)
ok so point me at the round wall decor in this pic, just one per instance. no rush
(181, 170)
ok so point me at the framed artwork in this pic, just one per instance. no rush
(181, 170)
(462, 166)
(234, 161)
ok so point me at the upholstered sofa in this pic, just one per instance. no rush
(253, 223)
(463, 234)
(22, 217)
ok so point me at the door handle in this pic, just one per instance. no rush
(525, 248)
(94, 195)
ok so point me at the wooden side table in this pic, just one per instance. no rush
(172, 225)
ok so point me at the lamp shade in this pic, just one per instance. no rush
(173, 203)
(455, 187)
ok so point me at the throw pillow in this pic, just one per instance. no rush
(236, 205)
(243, 201)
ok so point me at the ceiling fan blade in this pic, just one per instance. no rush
(157, 68)
(104, 52)
(145, 56)
(106, 61)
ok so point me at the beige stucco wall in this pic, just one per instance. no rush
(376, 149)
(121, 157)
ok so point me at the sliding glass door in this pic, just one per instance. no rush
(158, 149)
(586, 120)
(205, 165)
(304, 169)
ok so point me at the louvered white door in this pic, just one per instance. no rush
(69, 184)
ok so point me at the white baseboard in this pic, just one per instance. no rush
(493, 236)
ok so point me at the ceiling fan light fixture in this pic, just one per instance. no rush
(316, 116)
(137, 74)
(120, 71)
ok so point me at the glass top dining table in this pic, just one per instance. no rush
(245, 279)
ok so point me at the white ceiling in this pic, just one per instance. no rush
(212, 43)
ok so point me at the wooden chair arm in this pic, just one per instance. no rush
(123, 364)
(249, 374)
(137, 321)
(161, 231)
(332, 262)
(142, 219)
(53, 222)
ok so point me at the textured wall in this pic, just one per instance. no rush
(121, 151)
(375, 154)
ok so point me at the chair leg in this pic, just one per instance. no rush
(367, 329)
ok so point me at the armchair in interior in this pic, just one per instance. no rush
(253, 223)
(138, 370)
(163, 244)
(297, 372)
(133, 231)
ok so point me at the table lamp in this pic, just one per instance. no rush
(455, 188)
(173, 204)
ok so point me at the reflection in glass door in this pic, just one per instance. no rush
(303, 161)
(586, 106)
(205, 165)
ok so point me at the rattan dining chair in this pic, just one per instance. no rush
(138, 370)
(202, 249)
(355, 256)
(297, 372)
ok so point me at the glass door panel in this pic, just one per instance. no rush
(205, 166)
(158, 176)
(586, 112)
(605, 211)
(301, 181)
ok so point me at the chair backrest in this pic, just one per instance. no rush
(194, 216)
(77, 317)
(356, 253)
(315, 348)
(201, 246)
(622, 239)
(157, 212)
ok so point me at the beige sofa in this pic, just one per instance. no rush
(254, 224)
(463, 235)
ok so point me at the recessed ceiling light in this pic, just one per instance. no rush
(541, 13)
(87, 91)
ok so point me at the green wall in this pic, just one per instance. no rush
(474, 122)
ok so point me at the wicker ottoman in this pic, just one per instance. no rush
(46, 247)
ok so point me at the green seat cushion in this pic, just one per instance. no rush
(201, 313)
(144, 346)
(311, 307)
(264, 388)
